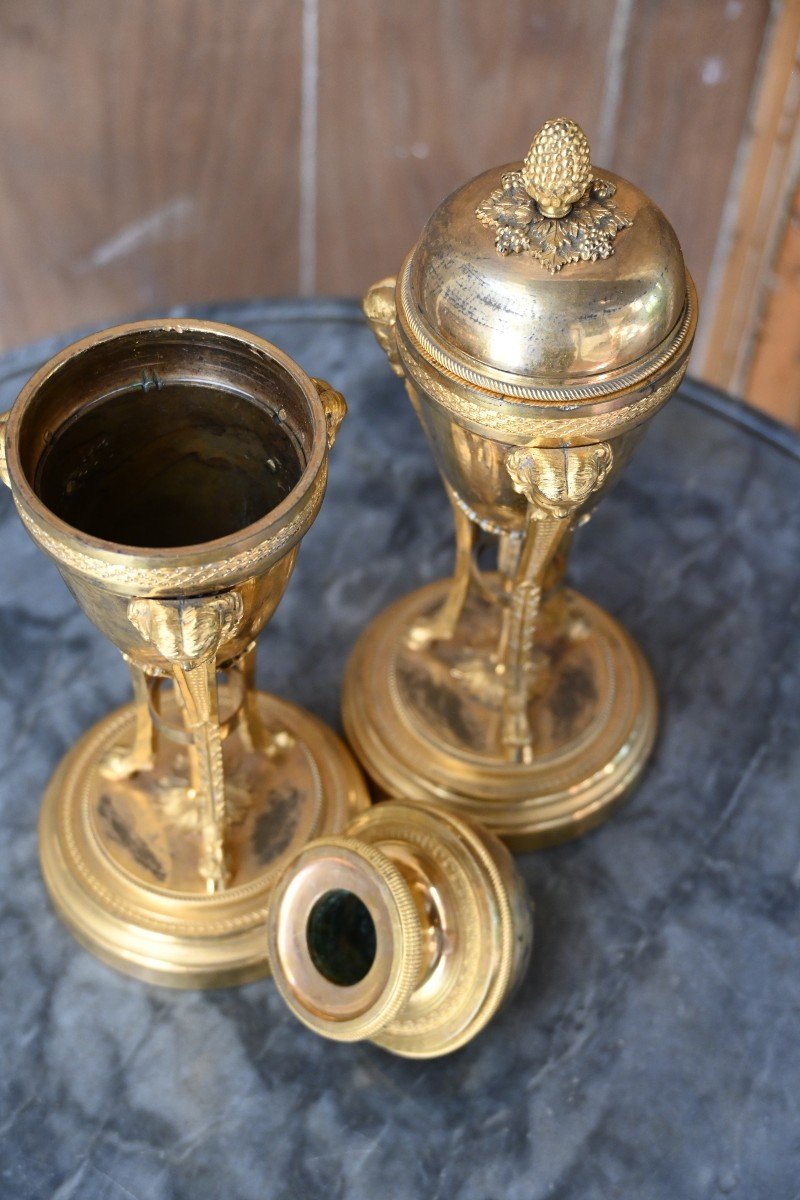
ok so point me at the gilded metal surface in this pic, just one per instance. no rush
(450, 931)
(502, 389)
(554, 208)
(163, 828)
(426, 719)
(557, 169)
(503, 694)
(335, 408)
(506, 321)
(121, 857)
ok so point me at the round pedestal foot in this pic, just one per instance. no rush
(425, 717)
(120, 856)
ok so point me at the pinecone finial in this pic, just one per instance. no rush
(557, 169)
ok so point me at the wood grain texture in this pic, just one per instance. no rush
(689, 71)
(415, 99)
(149, 156)
(155, 152)
(773, 382)
(755, 224)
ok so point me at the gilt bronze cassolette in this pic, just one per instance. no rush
(544, 316)
(170, 469)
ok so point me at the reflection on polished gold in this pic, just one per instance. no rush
(409, 930)
(171, 468)
(538, 325)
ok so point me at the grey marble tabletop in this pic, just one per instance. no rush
(653, 1050)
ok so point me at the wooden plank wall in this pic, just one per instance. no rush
(154, 152)
(773, 381)
(148, 155)
(751, 341)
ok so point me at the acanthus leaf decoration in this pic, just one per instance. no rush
(585, 234)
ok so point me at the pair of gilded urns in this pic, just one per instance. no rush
(208, 831)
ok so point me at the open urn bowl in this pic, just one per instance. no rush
(543, 317)
(171, 469)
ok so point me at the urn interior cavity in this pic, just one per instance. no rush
(171, 440)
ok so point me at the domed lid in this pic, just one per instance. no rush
(548, 275)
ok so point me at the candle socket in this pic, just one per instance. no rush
(410, 930)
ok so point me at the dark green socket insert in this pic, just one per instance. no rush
(340, 935)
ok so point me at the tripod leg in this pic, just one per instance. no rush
(442, 625)
(197, 688)
(120, 763)
(187, 633)
(254, 734)
(556, 482)
(541, 542)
